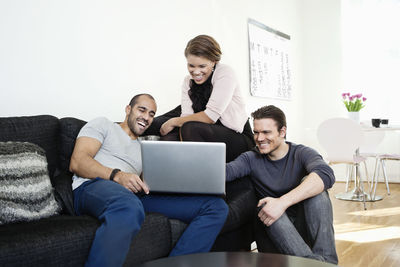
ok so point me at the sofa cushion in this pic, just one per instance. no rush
(152, 241)
(42, 130)
(177, 229)
(63, 192)
(64, 240)
(56, 241)
(25, 190)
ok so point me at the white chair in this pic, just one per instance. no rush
(369, 148)
(380, 164)
(341, 137)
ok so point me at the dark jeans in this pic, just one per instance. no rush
(309, 234)
(121, 214)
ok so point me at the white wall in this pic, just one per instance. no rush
(323, 79)
(372, 63)
(86, 58)
(321, 69)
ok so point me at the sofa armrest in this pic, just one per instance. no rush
(63, 192)
(242, 202)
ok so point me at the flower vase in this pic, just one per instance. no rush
(354, 115)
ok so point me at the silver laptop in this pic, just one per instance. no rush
(184, 167)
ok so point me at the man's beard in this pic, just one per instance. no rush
(132, 126)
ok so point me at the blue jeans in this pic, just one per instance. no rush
(309, 234)
(121, 214)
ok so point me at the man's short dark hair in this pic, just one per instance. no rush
(136, 97)
(271, 112)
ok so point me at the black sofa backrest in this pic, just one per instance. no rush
(69, 130)
(56, 137)
(42, 130)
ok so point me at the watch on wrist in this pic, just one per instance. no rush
(113, 173)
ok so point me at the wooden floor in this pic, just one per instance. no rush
(367, 237)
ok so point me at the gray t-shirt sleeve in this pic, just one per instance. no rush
(96, 128)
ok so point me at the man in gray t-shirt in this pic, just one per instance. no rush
(107, 164)
(117, 149)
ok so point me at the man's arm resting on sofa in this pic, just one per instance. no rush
(84, 165)
(83, 162)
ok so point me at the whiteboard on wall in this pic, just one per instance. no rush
(269, 62)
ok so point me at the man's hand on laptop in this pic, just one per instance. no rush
(131, 181)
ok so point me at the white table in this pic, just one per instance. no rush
(367, 128)
(358, 193)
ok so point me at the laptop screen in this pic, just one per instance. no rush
(184, 167)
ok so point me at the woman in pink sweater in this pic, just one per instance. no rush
(212, 106)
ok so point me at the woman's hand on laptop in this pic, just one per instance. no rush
(131, 181)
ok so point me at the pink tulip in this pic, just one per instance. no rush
(353, 102)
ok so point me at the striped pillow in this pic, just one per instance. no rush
(25, 190)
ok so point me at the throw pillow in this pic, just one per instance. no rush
(25, 190)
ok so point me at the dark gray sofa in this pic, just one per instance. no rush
(65, 239)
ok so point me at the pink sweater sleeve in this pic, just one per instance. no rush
(224, 84)
(226, 102)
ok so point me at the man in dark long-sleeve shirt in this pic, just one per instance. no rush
(291, 182)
